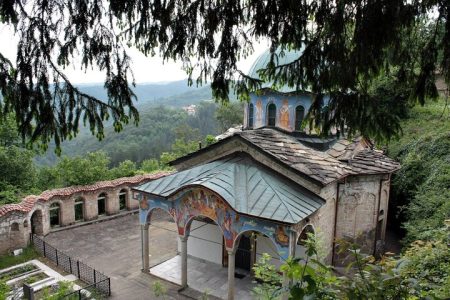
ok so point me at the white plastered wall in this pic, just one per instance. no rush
(205, 242)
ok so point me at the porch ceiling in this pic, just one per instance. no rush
(247, 186)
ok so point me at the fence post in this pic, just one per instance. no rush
(78, 268)
(57, 260)
(43, 244)
(70, 265)
(109, 286)
(95, 278)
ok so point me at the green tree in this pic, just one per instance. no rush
(423, 272)
(77, 170)
(203, 119)
(150, 165)
(420, 188)
(18, 174)
(229, 115)
(344, 45)
(9, 135)
(126, 168)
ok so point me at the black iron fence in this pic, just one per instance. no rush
(87, 292)
(94, 278)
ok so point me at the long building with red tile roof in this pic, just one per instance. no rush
(66, 206)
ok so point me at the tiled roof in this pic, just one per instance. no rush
(263, 193)
(340, 159)
(372, 162)
(313, 163)
(28, 202)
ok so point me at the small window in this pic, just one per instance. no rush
(250, 115)
(271, 114)
(79, 210)
(123, 200)
(54, 215)
(15, 227)
(101, 204)
(299, 116)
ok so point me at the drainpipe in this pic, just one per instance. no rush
(335, 222)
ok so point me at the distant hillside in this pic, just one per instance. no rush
(160, 114)
(175, 93)
(155, 134)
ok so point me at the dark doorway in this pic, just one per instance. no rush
(36, 223)
(79, 210)
(243, 254)
(123, 200)
(101, 204)
(54, 215)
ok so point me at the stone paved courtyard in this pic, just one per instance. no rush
(113, 247)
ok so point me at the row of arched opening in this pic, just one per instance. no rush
(80, 208)
(205, 245)
(271, 116)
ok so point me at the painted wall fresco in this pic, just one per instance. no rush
(286, 105)
(190, 203)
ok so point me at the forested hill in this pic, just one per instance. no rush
(174, 93)
(161, 125)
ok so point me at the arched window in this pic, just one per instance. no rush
(304, 235)
(250, 115)
(123, 199)
(299, 115)
(101, 204)
(79, 209)
(54, 214)
(271, 114)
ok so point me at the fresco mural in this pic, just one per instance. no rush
(186, 205)
(259, 114)
(284, 115)
(285, 108)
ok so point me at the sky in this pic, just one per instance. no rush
(145, 69)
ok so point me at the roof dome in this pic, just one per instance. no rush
(281, 57)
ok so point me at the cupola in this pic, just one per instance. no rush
(283, 107)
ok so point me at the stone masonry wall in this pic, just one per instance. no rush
(18, 220)
(357, 213)
(13, 227)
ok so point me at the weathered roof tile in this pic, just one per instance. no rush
(28, 202)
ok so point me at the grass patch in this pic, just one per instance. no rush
(16, 272)
(8, 260)
(428, 121)
(35, 278)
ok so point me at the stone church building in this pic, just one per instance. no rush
(261, 189)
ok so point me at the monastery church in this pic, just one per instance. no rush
(263, 188)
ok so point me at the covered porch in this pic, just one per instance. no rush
(241, 199)
(205, 277)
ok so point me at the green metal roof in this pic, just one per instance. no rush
(281, 58)
(248, 187)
